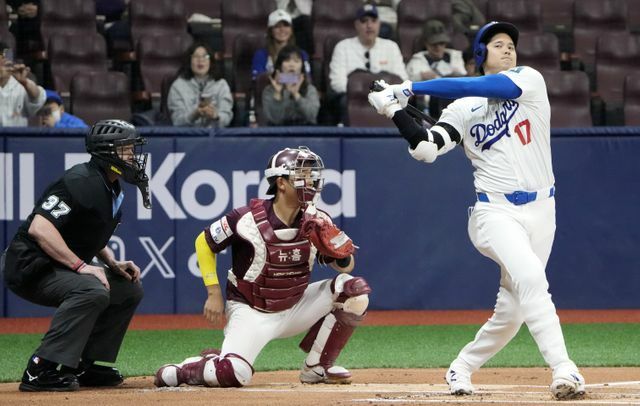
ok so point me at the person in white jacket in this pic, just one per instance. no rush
(20, 97)
(365, 51)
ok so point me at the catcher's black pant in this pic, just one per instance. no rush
(90, 321)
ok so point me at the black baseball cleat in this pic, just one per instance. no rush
(95, 375)
(49, 380)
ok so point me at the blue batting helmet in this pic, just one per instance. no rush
(485, 34)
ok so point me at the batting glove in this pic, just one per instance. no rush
(403, 92)
(385, 102)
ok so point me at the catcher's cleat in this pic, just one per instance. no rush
(459, 383)
(567, 383)
(95, 375)
(318, 374)
(189, 371)
(50, 380)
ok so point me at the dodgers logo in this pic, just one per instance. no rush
(489, 134)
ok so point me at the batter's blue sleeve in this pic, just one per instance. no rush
(491, 86)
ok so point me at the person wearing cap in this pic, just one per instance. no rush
(436, 61)
(53, 114)
(366, 51)
(502, 119)
(300, 12)
(20, 97)
(279, 35)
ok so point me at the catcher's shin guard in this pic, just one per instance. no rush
(231, 370)
(326, 339)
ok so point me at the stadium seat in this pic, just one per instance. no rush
(76, 17)
(412, 14)
(73, 53)
(593, 18)
(632, 100)
(156, 17)
(160, 56)
(617, 56)
(100, 95)
(539, 50)
(332, 22)
(332, 18)
(570, 98)
(524, 14)
(359, 111)
(633, 16)
(557, 14)
(482, 5)
(247, 17)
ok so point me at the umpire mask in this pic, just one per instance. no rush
(109, 141)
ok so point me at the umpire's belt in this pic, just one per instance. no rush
(518, 197)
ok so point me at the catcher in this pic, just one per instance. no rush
(274, 246)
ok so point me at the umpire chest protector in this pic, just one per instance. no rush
(281, 267)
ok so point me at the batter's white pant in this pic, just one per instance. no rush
(519, 239)
(248, 330)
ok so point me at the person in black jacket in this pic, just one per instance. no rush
(48, 262)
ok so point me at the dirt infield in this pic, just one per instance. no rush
(498, 386)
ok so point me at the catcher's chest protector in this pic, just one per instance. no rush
(286, 272)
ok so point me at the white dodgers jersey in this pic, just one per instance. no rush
(507, 141)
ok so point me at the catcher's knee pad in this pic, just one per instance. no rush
(227, 371)
(353, 294)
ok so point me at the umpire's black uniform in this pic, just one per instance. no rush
(90, 321)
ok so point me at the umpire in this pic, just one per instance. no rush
(49, 263)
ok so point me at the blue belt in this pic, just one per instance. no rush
(519, 197)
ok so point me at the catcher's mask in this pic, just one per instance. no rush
(108, 141)
(302, 167)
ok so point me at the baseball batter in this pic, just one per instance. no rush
(274, 246)
(503, 118)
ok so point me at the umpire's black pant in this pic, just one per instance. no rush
(90, 322)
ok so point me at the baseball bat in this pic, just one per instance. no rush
(412, 110)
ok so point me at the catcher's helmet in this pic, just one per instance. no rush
(485, 34)
(302, 167)
(103, 142)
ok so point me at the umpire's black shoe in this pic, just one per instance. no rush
(96, 375)
(48, 380)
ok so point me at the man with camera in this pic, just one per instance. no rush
(20, 97)
(53, 115)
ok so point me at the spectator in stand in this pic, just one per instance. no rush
(437, 61)
(53, 114)
(20, 97)
(290, 99)
(387, 11)
(198, 97)
(467, 17)
(365, 51)
(26, 29)
(300, 12)
(279, 35)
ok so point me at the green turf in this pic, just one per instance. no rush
(370, 347)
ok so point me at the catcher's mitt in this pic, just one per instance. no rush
(327, 238)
